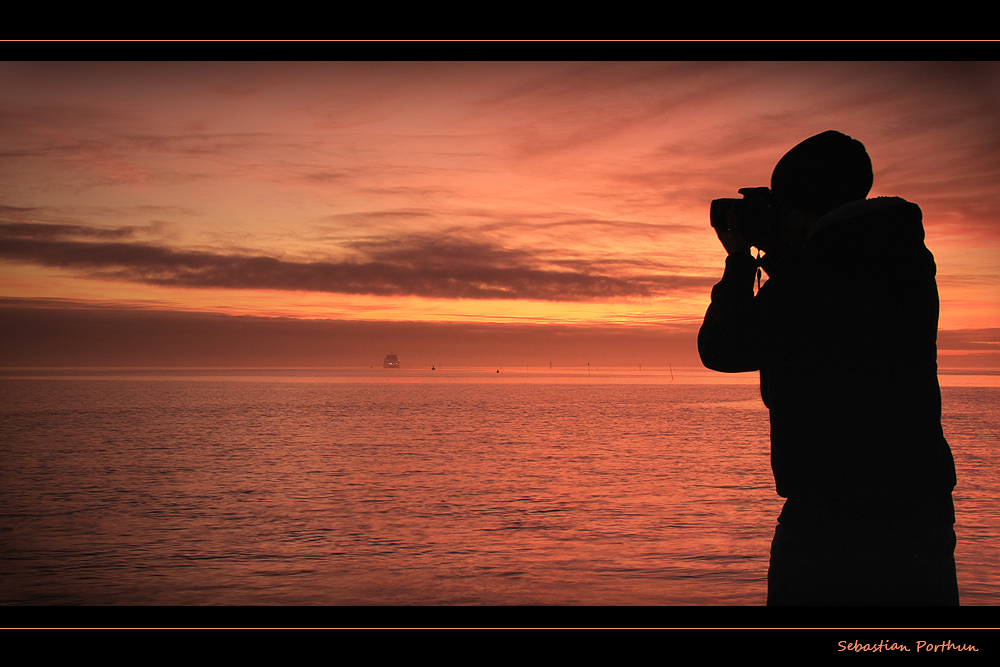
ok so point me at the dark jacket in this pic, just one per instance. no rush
(844, 336)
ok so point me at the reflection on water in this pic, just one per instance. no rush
(460, 486)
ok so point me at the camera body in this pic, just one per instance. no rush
(754, 215)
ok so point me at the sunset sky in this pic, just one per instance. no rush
(463, 213)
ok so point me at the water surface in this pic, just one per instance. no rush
(373, 487)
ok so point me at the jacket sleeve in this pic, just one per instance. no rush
(730, 337)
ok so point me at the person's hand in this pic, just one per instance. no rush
(733, 239)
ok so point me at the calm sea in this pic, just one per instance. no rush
(402, 487)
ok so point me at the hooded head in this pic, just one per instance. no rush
(823, 172)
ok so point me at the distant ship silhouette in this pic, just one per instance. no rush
(391, 361)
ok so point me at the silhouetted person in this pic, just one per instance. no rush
(844, 335)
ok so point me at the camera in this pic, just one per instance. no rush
(753, 213)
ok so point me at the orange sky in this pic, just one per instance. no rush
(449, 195)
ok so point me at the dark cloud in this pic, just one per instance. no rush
(968, 348)
(434, 267)
(59, 333)
(65, 333)
(27, 230)
(970, 339)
